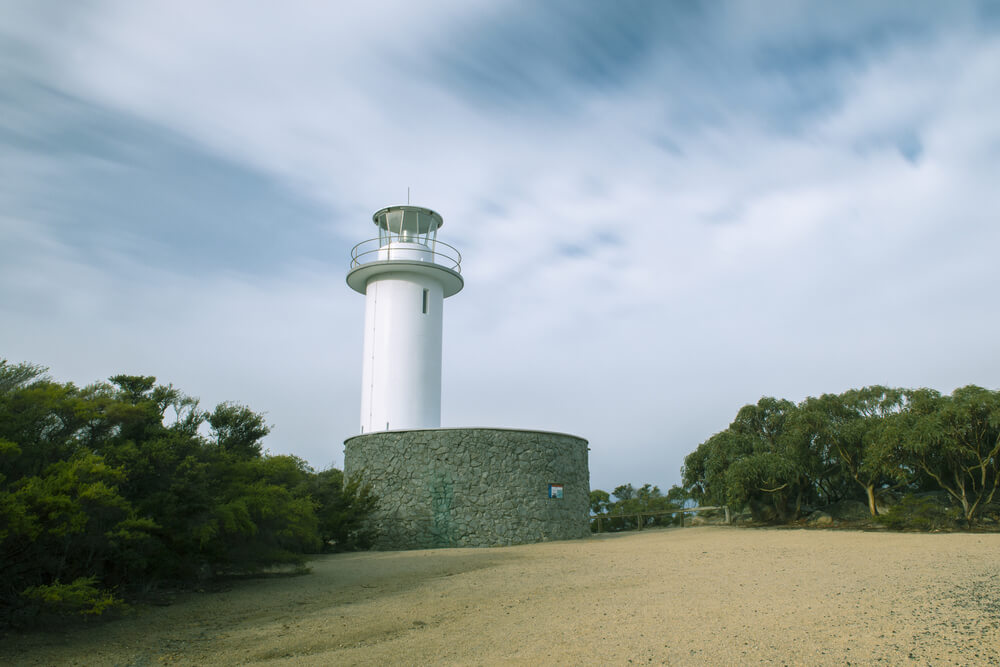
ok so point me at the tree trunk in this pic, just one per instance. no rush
(870, 490)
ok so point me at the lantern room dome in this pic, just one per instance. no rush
(408, 220)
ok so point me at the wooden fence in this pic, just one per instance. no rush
(639, 515)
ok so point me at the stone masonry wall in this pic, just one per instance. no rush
(470, 487)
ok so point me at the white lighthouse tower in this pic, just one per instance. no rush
(405, 274)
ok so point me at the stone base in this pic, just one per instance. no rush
(472, 487)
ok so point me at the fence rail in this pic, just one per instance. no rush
(680, 512)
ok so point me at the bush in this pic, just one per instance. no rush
(105, 488)
(81, 598)
(920, 512)
(343, 510)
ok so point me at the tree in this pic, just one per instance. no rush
(678, 495)
(63, 531)
(705, 469)
(767, 460)
(848, 430)
(773, 466)
(956, 441)
(102, 496)
(624, 492)
(238, 429)
(630, 504)
(776, 457)
(599, 501)
(15, 376)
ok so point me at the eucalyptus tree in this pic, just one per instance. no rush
(705, 469)
(778, 467)
(762, 460)
(847, 430)
(956, 441)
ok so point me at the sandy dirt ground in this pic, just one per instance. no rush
(691, 596)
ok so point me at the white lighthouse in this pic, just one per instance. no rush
(405, 275)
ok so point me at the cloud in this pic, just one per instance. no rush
(664, 212)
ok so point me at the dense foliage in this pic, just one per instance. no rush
(116, 488)
(778, 458)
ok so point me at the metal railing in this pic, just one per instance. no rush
(435, 252)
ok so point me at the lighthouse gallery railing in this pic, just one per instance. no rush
(376, 250)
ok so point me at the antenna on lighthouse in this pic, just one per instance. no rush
(405, 274)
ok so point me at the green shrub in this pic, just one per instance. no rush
(81, 597)
(921, 512)
(105, 488)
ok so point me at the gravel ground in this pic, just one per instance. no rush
(691, 596)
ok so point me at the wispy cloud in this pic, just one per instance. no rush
(665, 210)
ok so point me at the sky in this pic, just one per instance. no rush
(665, 210)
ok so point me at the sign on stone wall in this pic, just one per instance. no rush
(556, 491)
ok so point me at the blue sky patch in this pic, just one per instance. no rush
(122, 185)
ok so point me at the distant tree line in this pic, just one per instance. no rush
(114, 489)
(779, 459)
(633, 508)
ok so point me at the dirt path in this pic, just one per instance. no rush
(706, 595)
